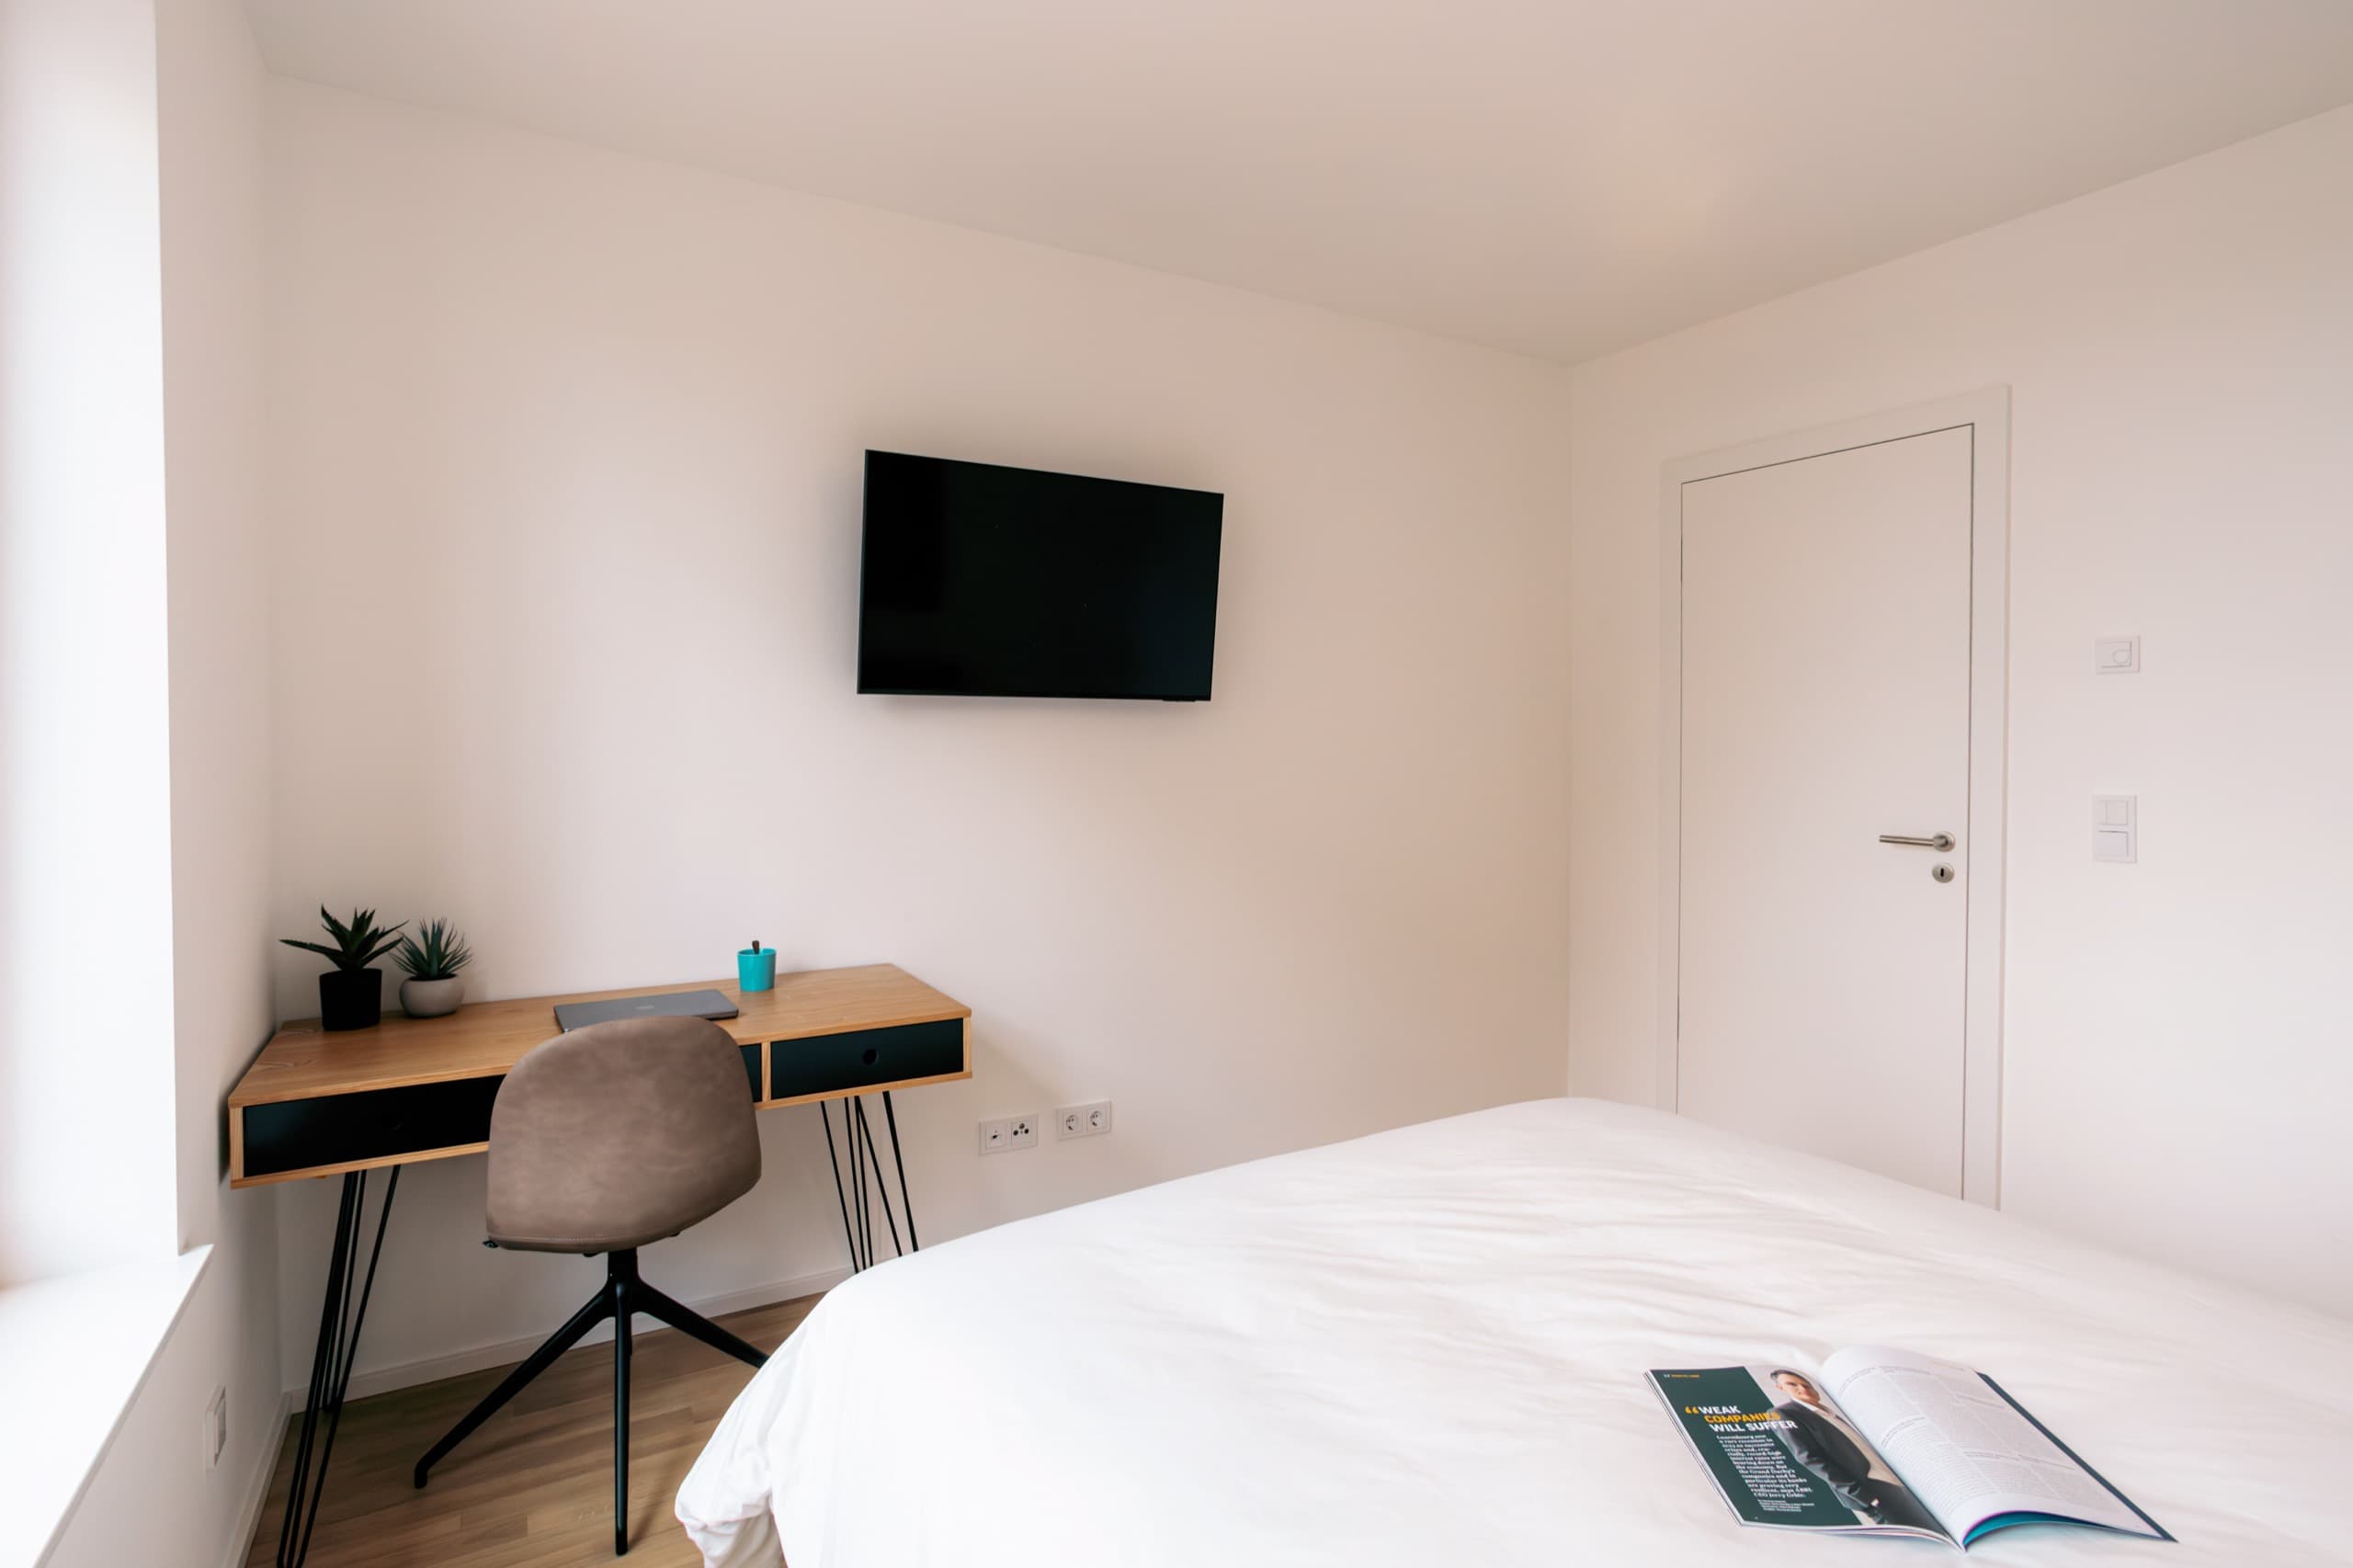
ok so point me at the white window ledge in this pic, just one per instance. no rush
(74, 1352)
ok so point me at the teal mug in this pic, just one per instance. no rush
(756, 969)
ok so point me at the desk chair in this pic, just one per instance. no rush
(601, 1141)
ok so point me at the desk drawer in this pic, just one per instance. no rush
(335, 1130)
(829, 1064)
(416, 1119)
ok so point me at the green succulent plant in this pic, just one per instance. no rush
(357, 945)
(438, 952)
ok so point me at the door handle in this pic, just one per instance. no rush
(1939, 842)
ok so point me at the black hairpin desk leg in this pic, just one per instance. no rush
(906, 1204)
(854, 1200)
(340, 1316)
(835, 1160)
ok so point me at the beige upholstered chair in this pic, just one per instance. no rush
(602, 1141)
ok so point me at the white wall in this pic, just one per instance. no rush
(210, 84)
(2181, 354)
(149, 1503)
(565, 456)
(86, 1108)
(210, 98)
(151, 1499)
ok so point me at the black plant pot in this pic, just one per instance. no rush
(351, 998)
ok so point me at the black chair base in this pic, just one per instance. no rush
(624, 1294)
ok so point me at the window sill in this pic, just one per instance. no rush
(74, 1352)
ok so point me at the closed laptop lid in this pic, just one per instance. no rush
(706, 1003)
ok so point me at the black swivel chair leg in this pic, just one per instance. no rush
(687, 1321)
(624, 1302)
(625, 1295)
(564, 1338)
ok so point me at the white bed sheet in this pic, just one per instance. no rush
(1426, 1349)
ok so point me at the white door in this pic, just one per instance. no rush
(1826, 661)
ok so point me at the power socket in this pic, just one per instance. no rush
(213, 1434)
(1088, 1120)
(1009, 1133)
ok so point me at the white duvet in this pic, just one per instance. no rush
(1426, 1349)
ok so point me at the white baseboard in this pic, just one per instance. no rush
(240, 1534)
(433, 1368)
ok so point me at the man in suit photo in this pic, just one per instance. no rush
(1826, 1444)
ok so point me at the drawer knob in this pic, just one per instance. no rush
(868, 1056)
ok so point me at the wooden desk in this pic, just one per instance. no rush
(314, 1104)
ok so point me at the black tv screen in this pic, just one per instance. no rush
(980, 581)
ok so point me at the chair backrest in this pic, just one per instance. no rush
(620, 1134)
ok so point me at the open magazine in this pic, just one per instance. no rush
(1885, 1442)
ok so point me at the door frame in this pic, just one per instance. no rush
(1986, 413)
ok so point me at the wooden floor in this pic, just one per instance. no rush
(535, 1484)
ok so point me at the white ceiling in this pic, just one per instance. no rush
(1559, 177)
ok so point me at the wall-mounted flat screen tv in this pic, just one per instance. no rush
(980, 581)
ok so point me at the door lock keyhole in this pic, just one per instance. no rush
(1943, 873)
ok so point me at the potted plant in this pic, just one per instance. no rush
(433, 958)
(351, 994)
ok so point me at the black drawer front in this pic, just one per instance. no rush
(337, 1129)
(830, 1064)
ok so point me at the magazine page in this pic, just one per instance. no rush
(1973, 1458)
(1786, 1456)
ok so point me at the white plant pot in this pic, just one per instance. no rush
(432, 998)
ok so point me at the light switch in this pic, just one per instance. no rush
(2116, 829)
(2117, 656)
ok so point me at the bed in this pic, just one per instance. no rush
(1426, 1347)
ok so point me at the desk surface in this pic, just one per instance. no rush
(483, 1039)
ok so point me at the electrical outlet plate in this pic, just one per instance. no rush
(213, 1434)
(1088, 1120)
(2116, 829)
(1004, 1132)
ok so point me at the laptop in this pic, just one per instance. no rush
(571, 1016)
